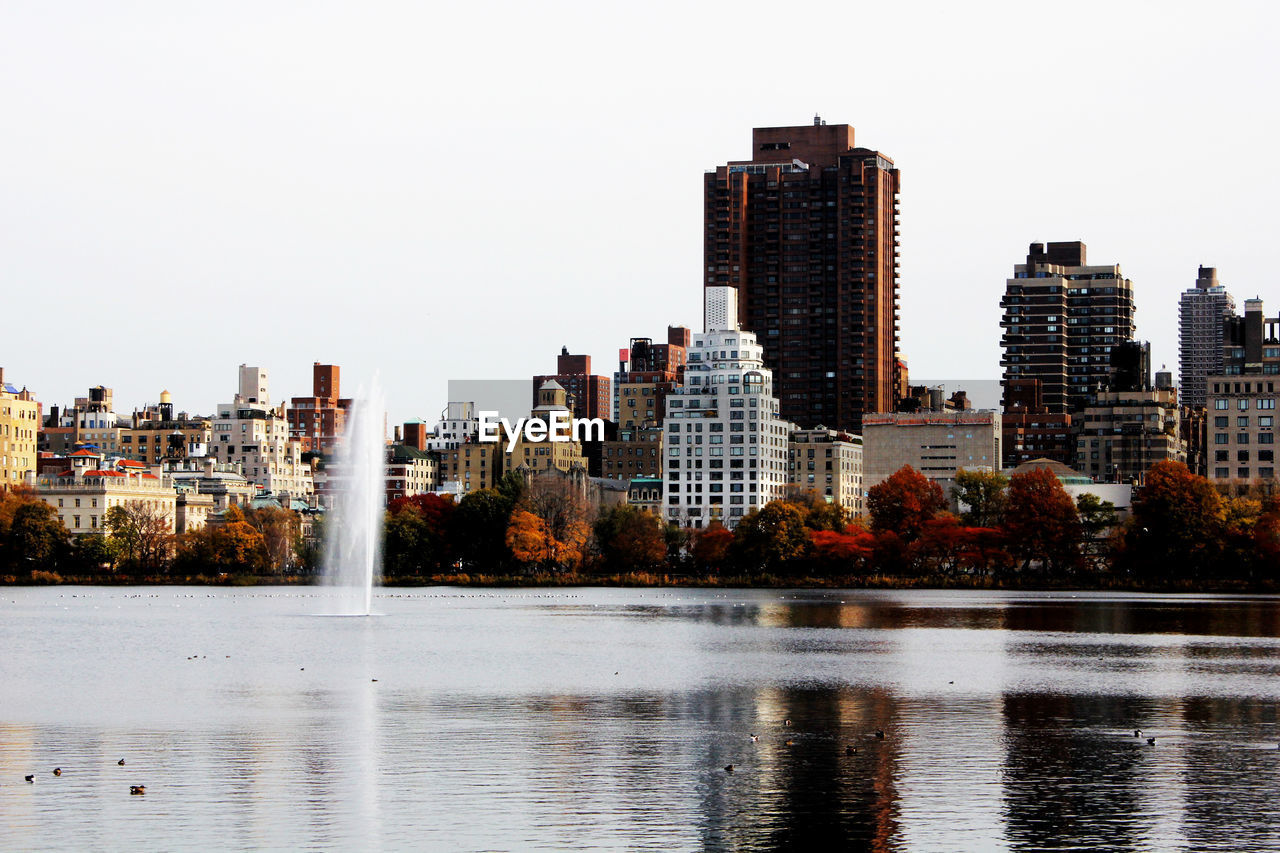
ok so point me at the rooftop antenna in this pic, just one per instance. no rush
(817, 120)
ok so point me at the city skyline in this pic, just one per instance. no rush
(209, 194)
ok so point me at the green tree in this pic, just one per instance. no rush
(34, 538)
(480, 529)
(981, 497)
(1097, 518)
(630, 539)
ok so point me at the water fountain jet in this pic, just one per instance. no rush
(353, 527)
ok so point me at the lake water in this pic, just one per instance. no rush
(604, 719)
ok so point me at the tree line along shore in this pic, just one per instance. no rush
(1022, 531)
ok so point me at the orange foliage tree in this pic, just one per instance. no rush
(1177, 526)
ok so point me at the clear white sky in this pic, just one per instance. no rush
(445, 191)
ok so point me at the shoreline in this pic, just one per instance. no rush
(659, 580)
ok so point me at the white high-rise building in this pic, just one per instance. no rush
(1201, 315)
(726, 445)
(250, 432)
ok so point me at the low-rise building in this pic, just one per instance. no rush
(646, 494)
(937, 444)
(221, 481)
(827, 464)
(157, 433)
(410, 472)
(83, 492)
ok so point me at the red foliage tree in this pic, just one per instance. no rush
(1041, 521)
(904, 502)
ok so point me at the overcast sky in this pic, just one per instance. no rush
(448, 191)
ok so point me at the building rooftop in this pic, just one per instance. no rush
(1065, 475)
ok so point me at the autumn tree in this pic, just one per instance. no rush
(1177, 525)
(771, 539)
(31, 534)
(566, 517)
(280, 529)
(418, 535)
(904, 502)
(841, 552)
(529, 540)
(981, 497)
(140, 534)
(710, 549)
(233, 546)
(630, 539)
(1041, 523)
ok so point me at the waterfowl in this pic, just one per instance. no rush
(786, 722)
(790, 742)
(728, 768)
(57, 771)
(137, 789)
(30, 778)
(1137, 732)
(879, 734)
(848, 750)
(755, 738)
(1151, 741)
(120, 762)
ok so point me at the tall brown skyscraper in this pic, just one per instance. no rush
(1062, 317)
(807, 231)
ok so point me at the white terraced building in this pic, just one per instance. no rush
(726, 446)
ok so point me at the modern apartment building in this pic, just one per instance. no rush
(1061, 319)
(1203, 312)
(806, 231)
(726, 443)
(1122, 433)
(251, 432)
